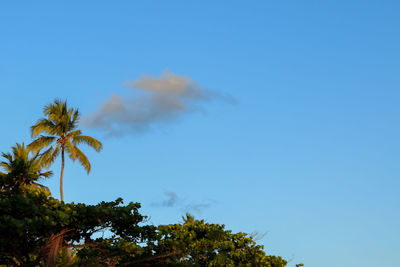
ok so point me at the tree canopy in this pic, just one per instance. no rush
(34, 227)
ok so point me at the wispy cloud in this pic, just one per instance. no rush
(154, 100)
(172, 200)
(194, 207)
(169, 202)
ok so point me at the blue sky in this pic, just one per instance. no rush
(307, 153)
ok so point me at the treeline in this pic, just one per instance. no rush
(39, 230)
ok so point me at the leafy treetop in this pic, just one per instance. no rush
(61, 136)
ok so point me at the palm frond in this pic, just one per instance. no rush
(44, 156)
(8, 156)
(76, 116)
(43, 126)
(88, 140)
(40, 186)
(82, 159)
(4, 164)
(73, 118)
(74, 133)
(49, 156)
(20, 151)
(55, 107)
(41, 142)
(70, 149)
(46, 174)
(22, 167)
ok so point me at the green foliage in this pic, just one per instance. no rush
(22, 168)
(27, 219)
(193, 243)
(31, 220)
(34, 227)
(196, 243)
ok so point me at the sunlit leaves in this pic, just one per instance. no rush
(21, 167)
(60, 125)
(62, 137)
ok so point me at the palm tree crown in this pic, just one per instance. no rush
(61, 135)
(22, 168)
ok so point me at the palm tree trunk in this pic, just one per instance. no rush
(61, 177)
(68, 250)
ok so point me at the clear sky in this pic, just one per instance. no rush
(290, 125)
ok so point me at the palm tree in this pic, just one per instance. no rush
(61, 136)
(21, 168)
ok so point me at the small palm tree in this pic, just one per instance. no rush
(22, 168)
(61, 136)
